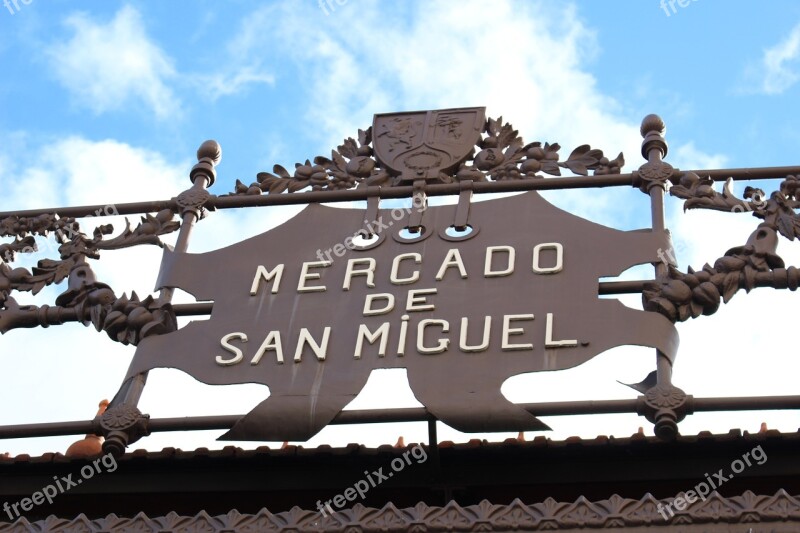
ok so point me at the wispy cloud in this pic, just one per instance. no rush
(107, 66)
(688, 156)
(778, 69)
(530, 65)
(96, 172)
(234, 82)
(246, 60)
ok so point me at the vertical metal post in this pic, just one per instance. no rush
(191, 202)
(433, 442)
(654, 176)
(654, 149)
(436, 464)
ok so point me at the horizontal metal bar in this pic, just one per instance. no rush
(362, 416)
(131, 208)
(756, 403)
(606, 287)
(762, 279)
(571, 182)
(46, 429)
(622, 287)
(742, 174)
(50, 316)
(413, 414)
(199, 308)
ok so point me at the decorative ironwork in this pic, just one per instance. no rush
(38, 225)
(664, 405)
(148, 231)
(89, 299)
(777, 210)
(48, 271)
(549, 515)
(121, 424)
(501, 155)
(129, 320)
(74, 242)
(75, 247)
(680, 296)
(194, 200)
(120, 417)
(420, 153)
(124, 320)
(654, 175)
(8, 252)
(660, 397)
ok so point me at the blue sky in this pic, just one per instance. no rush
(107, 102)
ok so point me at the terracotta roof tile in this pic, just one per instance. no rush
(540, 441)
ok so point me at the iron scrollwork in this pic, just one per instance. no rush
(501, 155)
(683, 295)
(126, 320)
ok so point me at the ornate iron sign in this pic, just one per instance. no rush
(462, 296)
(304, 310)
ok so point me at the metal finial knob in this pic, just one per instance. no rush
(210, 150)
(652, 130)
(652, 123)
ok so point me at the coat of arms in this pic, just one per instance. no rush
(420, 145)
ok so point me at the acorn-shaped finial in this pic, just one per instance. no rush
(652, 122)
(208, 156)
(210, 150)
(652, 130)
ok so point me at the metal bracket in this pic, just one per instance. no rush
(419, 202)
(371, 214)
(464, 201)
(121, 425)
(665, 406)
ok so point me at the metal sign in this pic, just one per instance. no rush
(303, 310)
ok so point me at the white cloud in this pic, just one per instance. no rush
(235, 82)
(778, 69)
(107, 66)
(244, 64)
(524, 62)
(688, 156)
(78, 171)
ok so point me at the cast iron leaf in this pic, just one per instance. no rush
(730, 285)
(282, 172)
